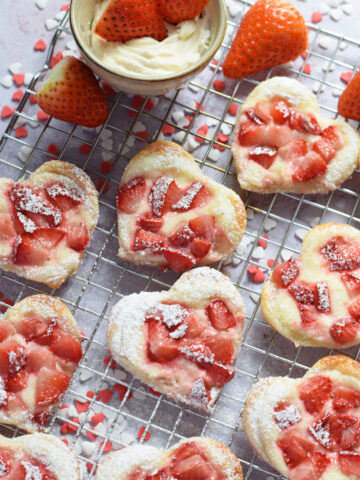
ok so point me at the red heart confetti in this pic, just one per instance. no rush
(100, 185)
(17, 96)
(105, 395)
(85, 149)
(81, 407)
(19, 78)
(106, 166)
(7, 111)
(107, 448)
(21, 132)
(141, 433)
(53, 149)
(307, 68)
(262, 242)
(219, 85)
(233, 109)
(316, 17)
(40, 45)
(55, 59)
(346, 76)
(97, 418)
(107, 361)
(168, 129)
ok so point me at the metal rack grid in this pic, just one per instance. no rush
(103, 279)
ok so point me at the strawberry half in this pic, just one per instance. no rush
(349, 102)
(175, 11)
(70, 92)
(123, 20)
(272, 32)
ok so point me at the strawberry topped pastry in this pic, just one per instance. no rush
(46, 222)
(37, 457)
(271, 32)
(196, 458)
(349, 102)
(70, 92)
(173, 216)
(182, 342)
(314, 300)
(282, 144)
(308, 428)
(39, 351)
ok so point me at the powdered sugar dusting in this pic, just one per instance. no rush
(32, 471)
(3, 393)
(28, 224)
(185, 202)
(171, 315)
(3, 468)
(197, 353)
(198, 393)
(323, 297)
(158, 193)
(320, 431)
(72, 192)
(302, 293)
(180, 331)
(340, 260)
(287, 417)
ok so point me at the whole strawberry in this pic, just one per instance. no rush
(272, 32)
(70, 92)
(175, 11)
(123, 20)
(349, 102)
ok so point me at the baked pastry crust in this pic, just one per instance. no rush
(122, 463)
(43, 306)
(54, 272)
(280, 309)
(126, 335)
(168, 158)
(258, 415)
(254, 177)
(51, 451)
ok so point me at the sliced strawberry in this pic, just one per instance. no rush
(178, 260)
(203, 227)
(199, 354)
(13, 357)
(325, 149)
(259, 114)
(50, 387)
(161, 347)
(32, 327)
(193, 467)
(6, 330)
(67, 347)
(351, 281)
(302, 292)
(35, 464)
(127, 20)
(308, 315)
(141, 475)
(17, 382)
(200, 248)
(284, 274)
(221, 346)
(321, 297)
(320, 462)
(51, 334)
(264, 156)
(182, 236)
(195, 325)
(194, 197)
(304, 123)
(331, 134)
(63, 197)
(345, 398)
(163, 474)
(163, 195)
(251, 134)
(341, 254)
(152, 224)
(315, 392)
(218, 375)
(350, 463)
(310, 166)
(220, 316)
(145, 240)
(320, 431)
(130, 194)
(47, 237)
(296, 449)
(77, 236)
(345, 431)
(280, 112)
(28, 252)
(286, 414)
(344, 330)
(6, 462)
(7, 230)
(354, 309)
(40, 357)
(298, 148)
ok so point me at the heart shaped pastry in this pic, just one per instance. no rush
(46, 222)
(171, 215)
(37, 457)
(281, 143)
(39, 351)
(314, 300)
(182, 342)
(196, 458)
(308, 428)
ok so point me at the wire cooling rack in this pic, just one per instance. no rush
(132, 412)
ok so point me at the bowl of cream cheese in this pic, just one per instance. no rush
(145, 65)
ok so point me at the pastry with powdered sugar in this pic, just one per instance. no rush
(182, 342)
(281, 143)
(173, 216)
(46, 222)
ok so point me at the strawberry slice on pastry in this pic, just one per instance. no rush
(46, 222)
(308, 428)
(314, 300)
(37, 457)
(183, 342)
(282, 144)
(39, 351)
(196, 458)
(173, 216)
